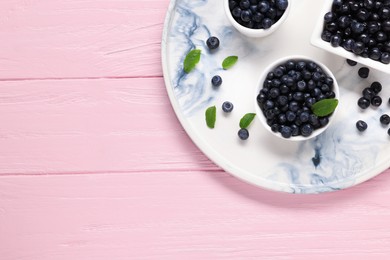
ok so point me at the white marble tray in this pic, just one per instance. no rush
(337, 159)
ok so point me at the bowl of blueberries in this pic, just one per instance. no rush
(357, 30)
(257, 18)
(296, 98)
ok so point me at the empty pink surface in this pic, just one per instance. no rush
(94, 164)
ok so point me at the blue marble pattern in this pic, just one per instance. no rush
(336, 159)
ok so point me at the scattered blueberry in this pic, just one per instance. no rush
(216, 81)
(257, 14)
(361, 125)
(368, 93)
(227, 107)
(243, 134)
(364, 72)
(376, 101)
(376, 87)
(212, 43)
(363, 103)
(351, 62)
(385, 119)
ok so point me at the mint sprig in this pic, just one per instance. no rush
(191, 59)
(246, 120)
(324, 107)
(211, 116)
(229, 62)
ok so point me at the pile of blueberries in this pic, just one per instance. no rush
(288, 93)
(257, 14)
(361, 27)
(370, 96)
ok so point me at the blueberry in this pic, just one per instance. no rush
(385, 119)
(269, 104)
(306, 130)
(376, 87)
(232, 4)
(274, 92)
(361, 125)
(236, 12)
(368, 93)
(293, 106)
(246, 16)
(286, 131)
(358, 48)
(282, 100)
(375, 53)
(301, 85)
(329, 17)
(245, 4)
(304, 117)
(376, 101)
(335, 40)
(271, 13)
(326, 35)
(266, 23)
(263, 6)
(385, 58)
(324, 121)
(363, 14)
(290, 116)
(257, 17)
(216, 81)
(357, 27)
(275, 127)
(227, 107)
(351, 62)
(243, 134)
(281, 4)
(363, 103)
(313, 120)
(388, 131)
(212, 42)
(282, 119)
(373, 27)
(363, 72)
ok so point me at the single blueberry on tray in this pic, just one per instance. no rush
(243, 134)
(216, 81)
(361, 125)
(212, 43)
(227, 107)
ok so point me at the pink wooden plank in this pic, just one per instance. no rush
(73, 39)
(92, 126)
(194, 215)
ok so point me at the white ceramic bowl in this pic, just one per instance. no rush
(255, 33)
(259, 86)
(318, 42)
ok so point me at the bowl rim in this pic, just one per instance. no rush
(256, 33)
(259, 86)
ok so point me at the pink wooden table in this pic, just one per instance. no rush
(94, 164)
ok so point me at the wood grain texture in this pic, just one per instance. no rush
(94, 164)
(76, 126)
(79, 39)
(185, 215)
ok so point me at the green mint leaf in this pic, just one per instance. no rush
(191, 59)
(211, 116)
(324, 107)
(229, 62)
(246, 120)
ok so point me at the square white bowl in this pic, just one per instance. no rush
(318, 42)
